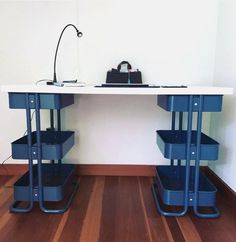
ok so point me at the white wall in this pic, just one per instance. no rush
(224, 124)
(29, 31)
(171, 42)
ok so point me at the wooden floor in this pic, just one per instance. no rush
(111, 209)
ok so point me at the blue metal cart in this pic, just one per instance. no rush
(43, 181)
(185, 185)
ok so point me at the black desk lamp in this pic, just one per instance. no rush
(79, 34)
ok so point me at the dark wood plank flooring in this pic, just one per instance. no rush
(111, 209)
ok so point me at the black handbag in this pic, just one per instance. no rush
(129, 77)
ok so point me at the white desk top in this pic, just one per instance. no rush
(197, 90)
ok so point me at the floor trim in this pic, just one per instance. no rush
(116, 170)
(222, 187)
(87, 170)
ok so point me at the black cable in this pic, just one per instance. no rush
(32, 116)
(43, 80)
(2, 163)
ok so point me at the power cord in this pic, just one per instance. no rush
(43, 80)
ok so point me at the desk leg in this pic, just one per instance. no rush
(52, 126)
(14, 207)
(59, 125)
(172, 161)
(40, 172)
(180, 128)
(173, 124)
(216, 212)
(187, 169)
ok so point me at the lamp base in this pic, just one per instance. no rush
(49, 83)
(53, 83)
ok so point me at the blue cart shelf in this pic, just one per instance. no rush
(56, 179)
(185, 185)
(43, 181)
(170, 184)
(54, 145)
(46, 101)
(180, 103)
(173, 145)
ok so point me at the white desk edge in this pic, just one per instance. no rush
(192, 90)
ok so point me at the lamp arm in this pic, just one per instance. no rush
(79, 34)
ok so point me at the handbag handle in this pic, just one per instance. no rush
(122, 63)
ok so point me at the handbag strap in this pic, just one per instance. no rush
(123, 63)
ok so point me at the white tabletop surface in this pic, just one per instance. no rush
(197, 90)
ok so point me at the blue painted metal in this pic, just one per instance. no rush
(173, 128)
(216, 212)
(184, 210)
(39, 156)
(32, 187)
(189, 188)
(47, 101)
(180, 120)
(180, 128)
(54, 145)
(173, 145)
(51, 119)
(52, 126)
(170, 183)
(13, 207)
(40, 175)
(188, 156)
(56, 180)
(59, 120)
(179, 103)
(59, 126)
(173, 121)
